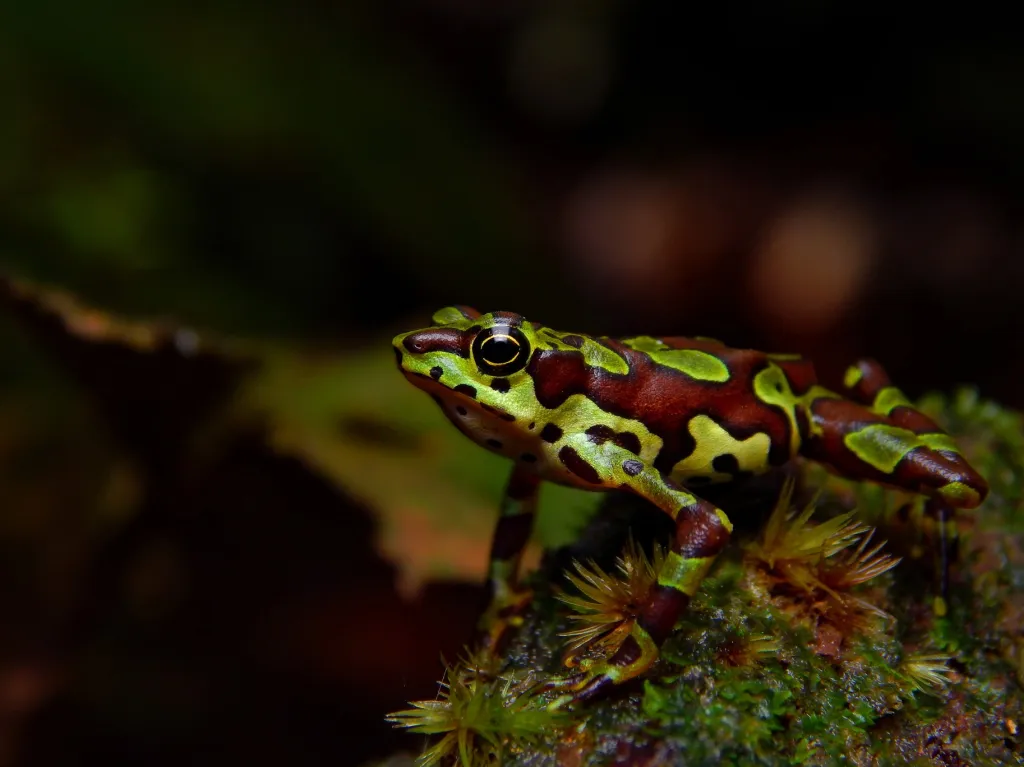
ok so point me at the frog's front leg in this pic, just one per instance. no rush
(506, 598)
(702, 531)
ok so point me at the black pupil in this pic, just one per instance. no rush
(500, 350)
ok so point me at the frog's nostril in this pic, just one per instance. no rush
(413, 345)
(398, 356)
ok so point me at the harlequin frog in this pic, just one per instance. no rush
(661, 418)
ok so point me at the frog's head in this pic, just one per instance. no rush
(471, 361)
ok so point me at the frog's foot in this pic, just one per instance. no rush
(504, 613)
(636, 655)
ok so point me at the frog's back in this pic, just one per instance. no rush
(716, 412)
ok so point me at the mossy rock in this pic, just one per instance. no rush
(761, 671)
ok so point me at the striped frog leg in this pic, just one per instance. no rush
(877, 434)
(867, 382)
(702, 531)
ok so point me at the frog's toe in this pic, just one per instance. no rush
(578, 688)
(592, 687)
(636, 655)
(501, 617)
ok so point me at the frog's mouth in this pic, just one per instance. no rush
(463, 394)
(432, 385)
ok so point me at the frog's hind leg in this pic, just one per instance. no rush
(879, 435)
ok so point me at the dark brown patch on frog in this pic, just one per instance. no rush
(574, 341)
(551, 433)
(629, 652)
(510, 536)
(496, 444)
(521, 485)
(699, 531)
(632, 468)
(465, 389)
(460, 409)
(799, 373)
(501, 385)
(498, 412)
(873, 379)
(661, 613)
(627, 440)
(698, 480)
(528, 458)
(726, 463)
(914, 420)
(665, 400)
(575, 463)
(532, 425)
(511, 319)
(447, 340)
(436, 373)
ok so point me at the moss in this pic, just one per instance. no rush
(763, 670)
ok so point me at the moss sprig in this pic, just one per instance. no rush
(608, 605)
(480, 715)
(927, 672)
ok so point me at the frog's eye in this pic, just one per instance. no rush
(500, 351)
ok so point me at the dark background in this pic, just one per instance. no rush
(800, 177)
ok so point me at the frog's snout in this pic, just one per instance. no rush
(422, 341)
(411, 348)
(399, 348)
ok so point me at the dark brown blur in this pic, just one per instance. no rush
(313, 177)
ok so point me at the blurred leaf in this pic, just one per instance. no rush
(156, 384)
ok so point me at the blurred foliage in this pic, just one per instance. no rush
(117, 187)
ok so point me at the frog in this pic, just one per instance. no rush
(661, 418)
